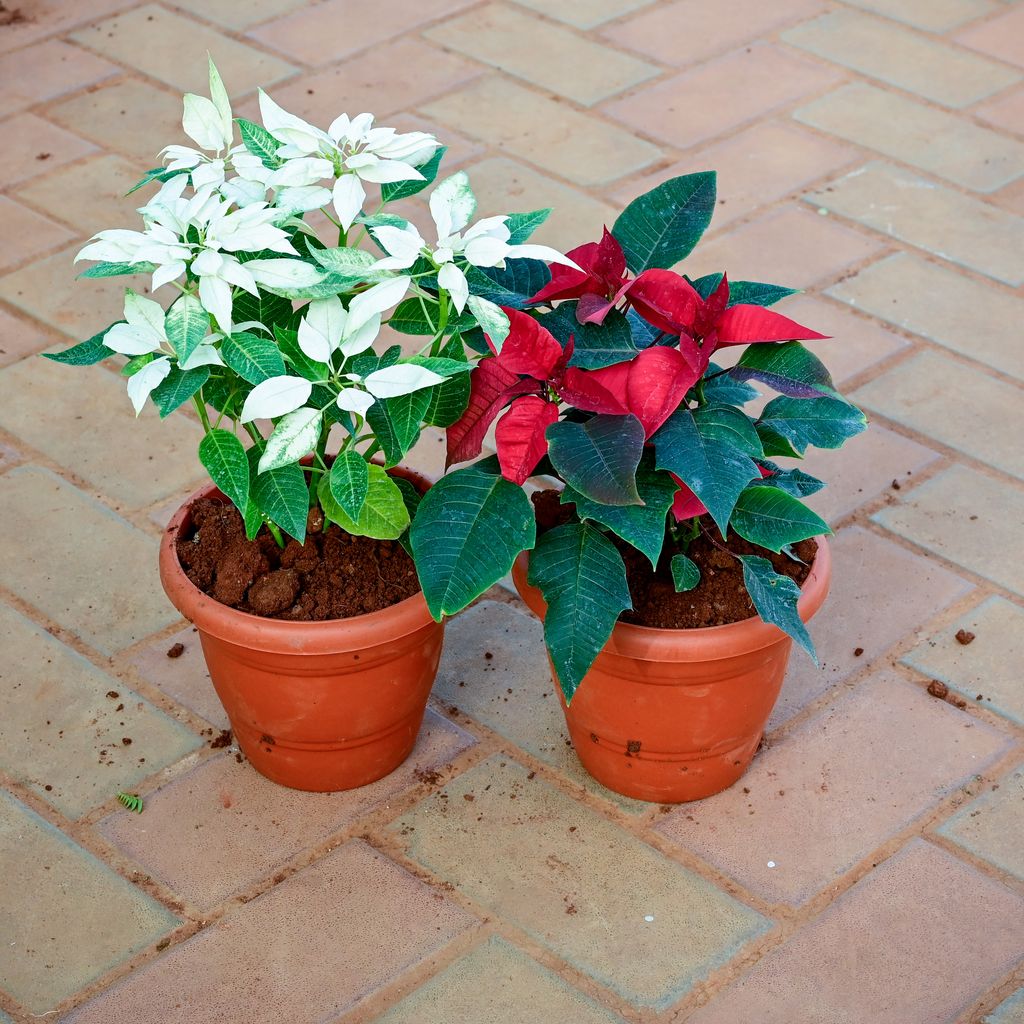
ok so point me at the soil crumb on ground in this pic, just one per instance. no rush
(964, 636)
(719, 598)
(176, 650)
(332, 576)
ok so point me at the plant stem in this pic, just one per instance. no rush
(275, 532)
(250, 429)
(321, 448)
(200, 405)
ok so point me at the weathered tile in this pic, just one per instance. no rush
(27, 233)
(747, 84)
(548, 133)
(613, 907)
(135, 461)
(386, 79)
(20, 338)
(495, 983)
(1009, 1011)
(585, 13)
(932, 217)
(777, 833)
(792, 246)
(944, 144)
(232, 14)
(91, 194)
(884, 952)
(880, 594)
(886, 51)
(129, 116)
(78, 562)
(1001, 37)
(863, 469)
(369, 919)
(63, 737)
(531, 715)
(543, 54)
(755, 167)
(985, 421)
(988, 665)
(42, 72)
(1011, 198)
(933, 15)
(1006, 111)
(242, 826)
(990, 827)
(68, 918)
(967, 517)
(321, 33)
(502, 185)
(159, 43)
(185, 677)
(32, 146)
(944, 306)
(460, 149)
(686, 31)
(49, 291)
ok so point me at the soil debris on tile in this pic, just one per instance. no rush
(176, 650)
(964, 637)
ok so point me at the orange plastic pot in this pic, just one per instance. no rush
(671, 715)
(320, 706)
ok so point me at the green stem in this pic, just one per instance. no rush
(275, 532)
(442, 322)
(321, 448)
(250, 429)
(200, 405)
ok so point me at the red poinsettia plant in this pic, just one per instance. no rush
(606, 381)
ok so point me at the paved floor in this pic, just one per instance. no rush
(869, 869)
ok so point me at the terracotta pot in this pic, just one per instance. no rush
(320, 706)
(671, 715)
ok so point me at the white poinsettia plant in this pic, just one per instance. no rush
(272, 333)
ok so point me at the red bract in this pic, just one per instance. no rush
(519, 436)
(665, 300)
(686, 504)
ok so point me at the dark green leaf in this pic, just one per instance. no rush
(467, 532)
(774, 444)
(396, 423)
(225, 393)
(685, 573)
(383, 514)
(775, 597)
(253, 357)
(288, 343)
(348, 481)
(705, 285)
(409, 318)
(793, 481)
(711, 450)
(259, 142)
(281, 494)
(512, 286)
(187, 324)
(643, 334)
(787, 367)
(448, 401)
(178, 387)
(594, 345)
(224, 458)
(660, 228)
(643, 526)
(583, 580)
(522, 225)
(118, 269)
(392, 190)
(821, 422)
(270, 310)
(156, 174)
(724, 390)
(85, 353)
(771, 518)
(754, 293)
(599, 458)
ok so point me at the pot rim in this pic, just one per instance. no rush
(327, 636)
(702, 643)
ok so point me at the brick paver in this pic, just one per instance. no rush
(870, 152)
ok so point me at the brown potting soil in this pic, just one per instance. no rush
(719, 598)
(332, 576)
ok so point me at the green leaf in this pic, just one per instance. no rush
(468, 530)
(270, 310)
(349, 265)
(594, 345)
(772, 519)
(85, 353)
(821, 422)
(685, 573)
(178, 387)
(774, 444)
(643, 526)
(792, 481)
(754, 293)
(136, 363)
(393, 190)
(160, 174)
(712, 450)
(583, 580)
(705, 285)
(224, 458)
(724, 390)
(522, 225)
(281, 494)
(396, 423)
(775, 597)
(512, 286)
(288, 343)
(411, 496)
(118, 269)
(254, 358)
(225, 393)
(448, 401)
(599, 458)
(259, 142)
(186, 323)
(295, 435)
(660, 228)
(787, 366)
(383, 514)
(349, 480)
(441, 365)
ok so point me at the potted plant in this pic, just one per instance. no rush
(293, 562)
(671, 558)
